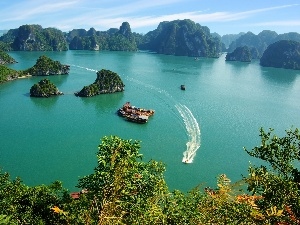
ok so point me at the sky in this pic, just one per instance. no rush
(220, 16)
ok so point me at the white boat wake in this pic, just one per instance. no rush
(193, 131)
(85, 68)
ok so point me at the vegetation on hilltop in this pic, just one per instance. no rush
(182, 38)
(242, 54)
(114, 39)
(106, 82)
(45, 66)
(125, 190)
(7, 74)
(282, 54)
(6, 58)
(44, 88)
(35, 38)
(259, 43)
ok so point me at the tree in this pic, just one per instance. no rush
(279, 180)
(123, 189)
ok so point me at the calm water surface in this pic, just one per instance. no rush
(224, 105)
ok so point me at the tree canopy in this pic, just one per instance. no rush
(123, 189)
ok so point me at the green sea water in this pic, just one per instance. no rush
(220, 112)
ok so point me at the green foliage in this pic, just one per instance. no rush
(125, 190)
(7, 74)
(45, 66)
(6, 58)
(182, 37)
(44, 88)
(35, 38)
(242, 54)
(279, 182)
(114, 39)
(282, 54)
(29, 205)
(4, 46)
(106, 82)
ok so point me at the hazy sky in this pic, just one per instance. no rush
(221, 16)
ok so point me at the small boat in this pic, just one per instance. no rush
(135, 114)
(182, 87)
(137, 118)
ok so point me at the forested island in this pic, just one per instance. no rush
(6, 58)
(282, 54)
(7, 74)
(106, 82)
(45, 66)
(242, 54)
(44, 88)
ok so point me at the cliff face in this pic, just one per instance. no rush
(182, 37)
(106, 82)
(259, 43)
(242, 54)
(35, 38)
(282, 54)
(121, 39)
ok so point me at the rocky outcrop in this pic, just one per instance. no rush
(282, 54)
(35, 38)
(6, 58)
(114, 39)
(45, 89)
(7, 74)
(182, 38)
(45, 66)
(241, 54)
(261, 41)
(106, 82)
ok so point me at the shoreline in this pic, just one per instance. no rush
(24, 76)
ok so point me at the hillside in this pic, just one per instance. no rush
(282, 54)
(182, 38)
(6, 58)
(242, 54)
(106, 82)
(35, 38)
(45, 66)
(260, 42)
(121, 39)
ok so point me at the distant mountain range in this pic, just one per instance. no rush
(179, 37)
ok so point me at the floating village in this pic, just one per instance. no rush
(135, 114)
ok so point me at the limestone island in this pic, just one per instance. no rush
(8, 74)
(6, 58)
(241, 54)
(282, 54)
(44, 88)
(106, 82)
(45, 66)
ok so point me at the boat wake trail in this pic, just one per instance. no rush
(81, 67)
(193, 131)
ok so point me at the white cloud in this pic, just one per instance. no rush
(287, 23)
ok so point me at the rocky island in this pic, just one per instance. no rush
(6, 58)
(241, 54)
(282, 54)
(7, 74)
(34, 38)
(106, 82)
(44, 88)
(45, 66)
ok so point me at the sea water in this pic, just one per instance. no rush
(207, 125)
